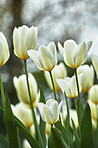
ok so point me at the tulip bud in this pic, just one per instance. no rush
(93, 94)
(88, 77)
(4, 50)
(22, 91)
(45, 58)
(23, 113)
(24, 39)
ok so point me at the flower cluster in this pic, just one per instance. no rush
(51, 122)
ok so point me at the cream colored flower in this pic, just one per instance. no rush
(88, 77)
(23, 113)
(69, 86)
(22, 91)
(59, 72)
(45, 58)
(95, 62)
(4, 50)
(74, 55)
(93, 94)
(24, 39)
(49, 111)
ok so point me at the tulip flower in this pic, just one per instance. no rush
(49, 111)
(74, 55)
(93, 94)
(4, 50)
(23, 113)
(59, 72)
(22, 91)
(24, 39)
(95, 62)
(69, 86)
(87, 78)
(45, 58)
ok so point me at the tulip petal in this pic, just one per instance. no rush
(61, 49)
(95, 62)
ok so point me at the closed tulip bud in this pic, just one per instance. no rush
(24, 39)
(22, 91)
(49, 111)
(59, 72)
(69, 86)
(74, 55)
(88, 77)
(95, 62)
(93, 94)
(45, 58)
(4, 50)
(26, 144)
(23, 113)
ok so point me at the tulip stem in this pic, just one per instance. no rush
(53, 85)
(38, 135)
(2, 90)
(77, 82)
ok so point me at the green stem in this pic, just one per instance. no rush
(77, 82)
(75, 104)
(2, 90)
(53, 85)
(68, 118)
(38, 135)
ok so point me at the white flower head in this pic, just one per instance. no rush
(45, 58)
(74, 55)
(49, 111)
(24, 39)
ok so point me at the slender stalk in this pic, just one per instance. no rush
(38, 135)
(2, 90)
(77, 83)
(68, 118)
(53, 85)
(75, 104)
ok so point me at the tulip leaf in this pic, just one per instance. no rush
(2, 90)
(87, 138)
(63, 130)
(56, 139)
(25, 132)
(75, 133)
(3, 142)
(42, 124)
(10, 124)
(79, 111)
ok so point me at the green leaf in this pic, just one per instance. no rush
(75, 133)
(3, 142)
(56, 139)
(32, 141)
(79, 111)
(10, 124)
(42, 125)
(87, 139)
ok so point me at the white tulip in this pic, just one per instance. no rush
(93, 94)
(24, 39)
(94, 110)
(22, 90)
(23, 113)
(69, 85)
(49, 111)
(4, 50)
(59, 72)
(88, 77)
(26, 144)
(45, 58)
(95, 62)
(74, 55)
